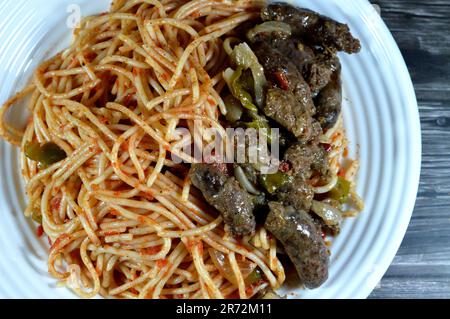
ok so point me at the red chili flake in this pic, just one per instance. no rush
(124, 146)
(148, 197)
(151, 250)
(98, 270)
(40, 231)
(134, 291)
(282, 80)
(127, 99)
(284, 167)
(55, 203)
(345, 152)
(341, 173)
(103, 119)
(165, 76)
(161, 263)
(327, 147)
(49, 241)
(141, 219)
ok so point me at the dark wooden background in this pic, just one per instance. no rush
(421, 268)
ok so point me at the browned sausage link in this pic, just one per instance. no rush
(291, 103)
(226, 195)
(329, 101)
(316, 28)
(302, 242)
(319, 71)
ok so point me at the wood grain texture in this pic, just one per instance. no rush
(421, 268)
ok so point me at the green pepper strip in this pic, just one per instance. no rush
(238, 91)
(273, 182)
(341, 191)
(45, 154)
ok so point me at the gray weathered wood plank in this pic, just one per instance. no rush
(421, 268)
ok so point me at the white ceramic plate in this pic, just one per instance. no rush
(381, 118)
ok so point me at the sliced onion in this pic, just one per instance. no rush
(329, 214)
(234, 109)
(228, 42)
(228, 74)
(245, 58)
(269, 27)
(328, 187)
(223, 264)
(243, 180)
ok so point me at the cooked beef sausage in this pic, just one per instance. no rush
(304, 159)
(295, 51)
(302, 242)
(297, 193)
(329, 101)
(317, 29)
(283, 73)
(283, 107)
(319, 71)
(226, 195)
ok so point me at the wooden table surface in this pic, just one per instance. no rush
(421, 268)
